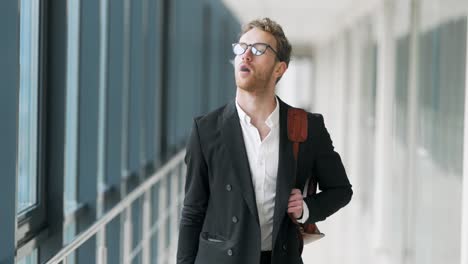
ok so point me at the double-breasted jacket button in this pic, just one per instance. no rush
(234, 219)
(284, 247)
(228, 187)
(229, 252)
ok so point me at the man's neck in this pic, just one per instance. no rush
(257, 106)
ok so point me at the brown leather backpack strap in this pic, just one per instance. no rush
(297, 133)
(297, 128)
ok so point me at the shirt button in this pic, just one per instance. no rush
(228, 187)
(234, 219)
(229, 252)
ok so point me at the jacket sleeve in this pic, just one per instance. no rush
(195, 201)
(331, 176)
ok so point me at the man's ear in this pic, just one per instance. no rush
(281, 68)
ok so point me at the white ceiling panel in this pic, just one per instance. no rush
(304, 21)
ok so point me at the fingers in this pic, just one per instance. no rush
(295, 195)
(296, 211)
(295, 203)
(296, 191)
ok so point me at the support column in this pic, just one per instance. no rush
(101, 254)
(355, 115)
(383, 201)
(354, 214)
(464, 233)
(412, 177)
(340, 98)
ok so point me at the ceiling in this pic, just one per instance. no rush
(305, 22)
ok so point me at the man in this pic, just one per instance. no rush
(240, 167)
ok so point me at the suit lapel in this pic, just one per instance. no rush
(286, 170)
(232, 136)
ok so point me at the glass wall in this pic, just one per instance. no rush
(408, 189)
(103, 94)
(437, 216)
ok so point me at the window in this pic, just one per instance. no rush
(30, 259)
(28, 119)
(30, 192)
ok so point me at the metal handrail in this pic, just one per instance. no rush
(117, 209)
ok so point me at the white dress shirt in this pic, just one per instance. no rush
(263, 160)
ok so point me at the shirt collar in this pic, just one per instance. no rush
(271, 121)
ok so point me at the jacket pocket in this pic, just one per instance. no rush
(216, 249)
(213, 238)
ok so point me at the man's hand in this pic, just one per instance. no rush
(295, 203)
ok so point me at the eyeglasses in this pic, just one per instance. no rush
(257, 48)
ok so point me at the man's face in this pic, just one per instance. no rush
(256, 73)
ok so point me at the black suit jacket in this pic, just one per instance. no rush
(219, 222)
